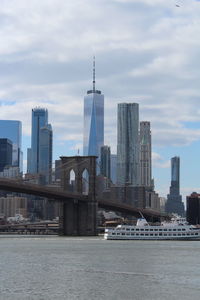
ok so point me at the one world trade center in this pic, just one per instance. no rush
(93, 136)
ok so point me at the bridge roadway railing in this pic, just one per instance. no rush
(57, 194)
(130, 210)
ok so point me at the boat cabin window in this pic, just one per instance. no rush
(137, 229)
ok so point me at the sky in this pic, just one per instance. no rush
(147, 51)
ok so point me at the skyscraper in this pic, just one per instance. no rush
(39, 120)
(145, 154)
(5, 153)
(128, 144)
(113, 168)
(105, 161)
(93, 136)
(12, 130)
(45, 153)
(174, 202)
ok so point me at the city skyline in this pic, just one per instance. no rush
(149, 57)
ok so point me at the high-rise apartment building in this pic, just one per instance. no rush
(93, 136)
(12, 130)
(145, 154)
(105, 161)
(45, 153)
(174, 202)
(5, 153)
(128, 144)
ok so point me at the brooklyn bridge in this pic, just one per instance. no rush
(78, 211)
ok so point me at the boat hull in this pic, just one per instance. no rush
(153, 238)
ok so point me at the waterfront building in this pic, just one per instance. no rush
(11, 172)
(93, 136)
(5, 153)
(45, 153)
(145, 154)
(12, 205)
(193, 208)
(105, 161)
(12, 130)
(128, 144)
(174, 202)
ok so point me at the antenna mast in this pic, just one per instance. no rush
(93, 74)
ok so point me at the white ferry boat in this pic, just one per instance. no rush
(177, 229)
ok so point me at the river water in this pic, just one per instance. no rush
(92, 268)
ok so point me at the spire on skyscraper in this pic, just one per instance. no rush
(93, 74)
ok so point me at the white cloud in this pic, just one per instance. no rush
(147, 52)
(159, 162)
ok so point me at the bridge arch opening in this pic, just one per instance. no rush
(72, 181)
(85, 182)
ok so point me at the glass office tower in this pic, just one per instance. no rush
(39, 120)
(93, 138)
(45, 153)
(5, 153)
(128, 144)
(12, 130)
(105, 161)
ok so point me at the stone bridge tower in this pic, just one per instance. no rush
(79, 217)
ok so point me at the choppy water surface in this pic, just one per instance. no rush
(91, 268)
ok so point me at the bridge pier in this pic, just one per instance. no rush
(79, 218)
